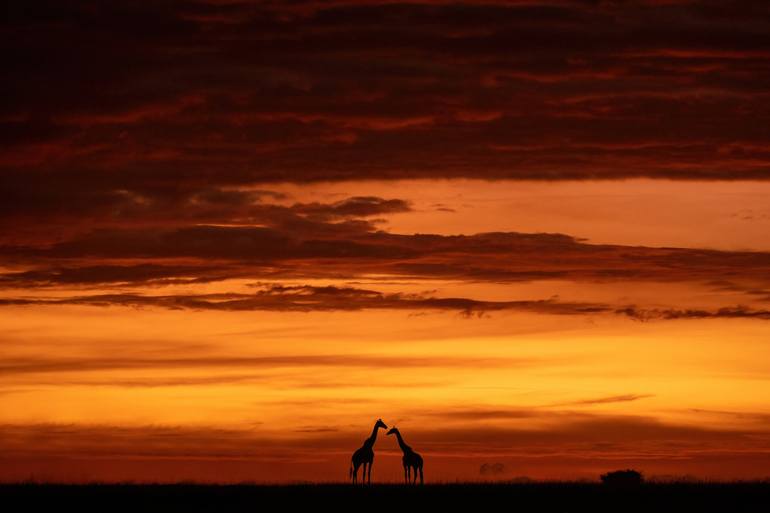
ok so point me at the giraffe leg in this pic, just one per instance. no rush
(369, 479)
(421, 481)
(355, 473)
(406, 474)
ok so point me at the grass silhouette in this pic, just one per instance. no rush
(499, 496)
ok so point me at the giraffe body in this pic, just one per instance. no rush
(412, 461)
(365, 456)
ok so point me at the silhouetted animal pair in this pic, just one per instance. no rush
(365, 456)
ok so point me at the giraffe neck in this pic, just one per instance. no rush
(370, 441)
(401, 443)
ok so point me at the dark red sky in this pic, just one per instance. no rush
(100, 96)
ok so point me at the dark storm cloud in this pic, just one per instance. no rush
(305, 298)
(102, 274)
(79, 208)
(107, 102)
(290, 245)
(309, 299)
(138, 141)
(733, 312)
(338, 241)
(358, 206)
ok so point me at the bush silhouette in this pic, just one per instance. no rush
(623, 478)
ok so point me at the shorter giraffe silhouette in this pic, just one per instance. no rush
(365, 455)
(411, 459)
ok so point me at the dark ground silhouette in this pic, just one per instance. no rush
(540, 497)
(623, 478)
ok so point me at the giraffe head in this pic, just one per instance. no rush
(393, 431)
(380, 424)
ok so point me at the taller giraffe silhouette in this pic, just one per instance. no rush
(365, 455)
(411, 459)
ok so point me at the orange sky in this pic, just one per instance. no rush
(532, 235)
(152, 379)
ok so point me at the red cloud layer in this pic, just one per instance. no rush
(153, 97)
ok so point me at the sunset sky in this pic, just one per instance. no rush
(533, 235)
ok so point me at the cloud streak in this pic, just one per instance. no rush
(350, 249)
(732, 312)
(304, 298)
(16, 366)
(605, 400)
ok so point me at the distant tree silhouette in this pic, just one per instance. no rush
(411, 459)
(365, 455)
(492, 469)
(622, 478)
